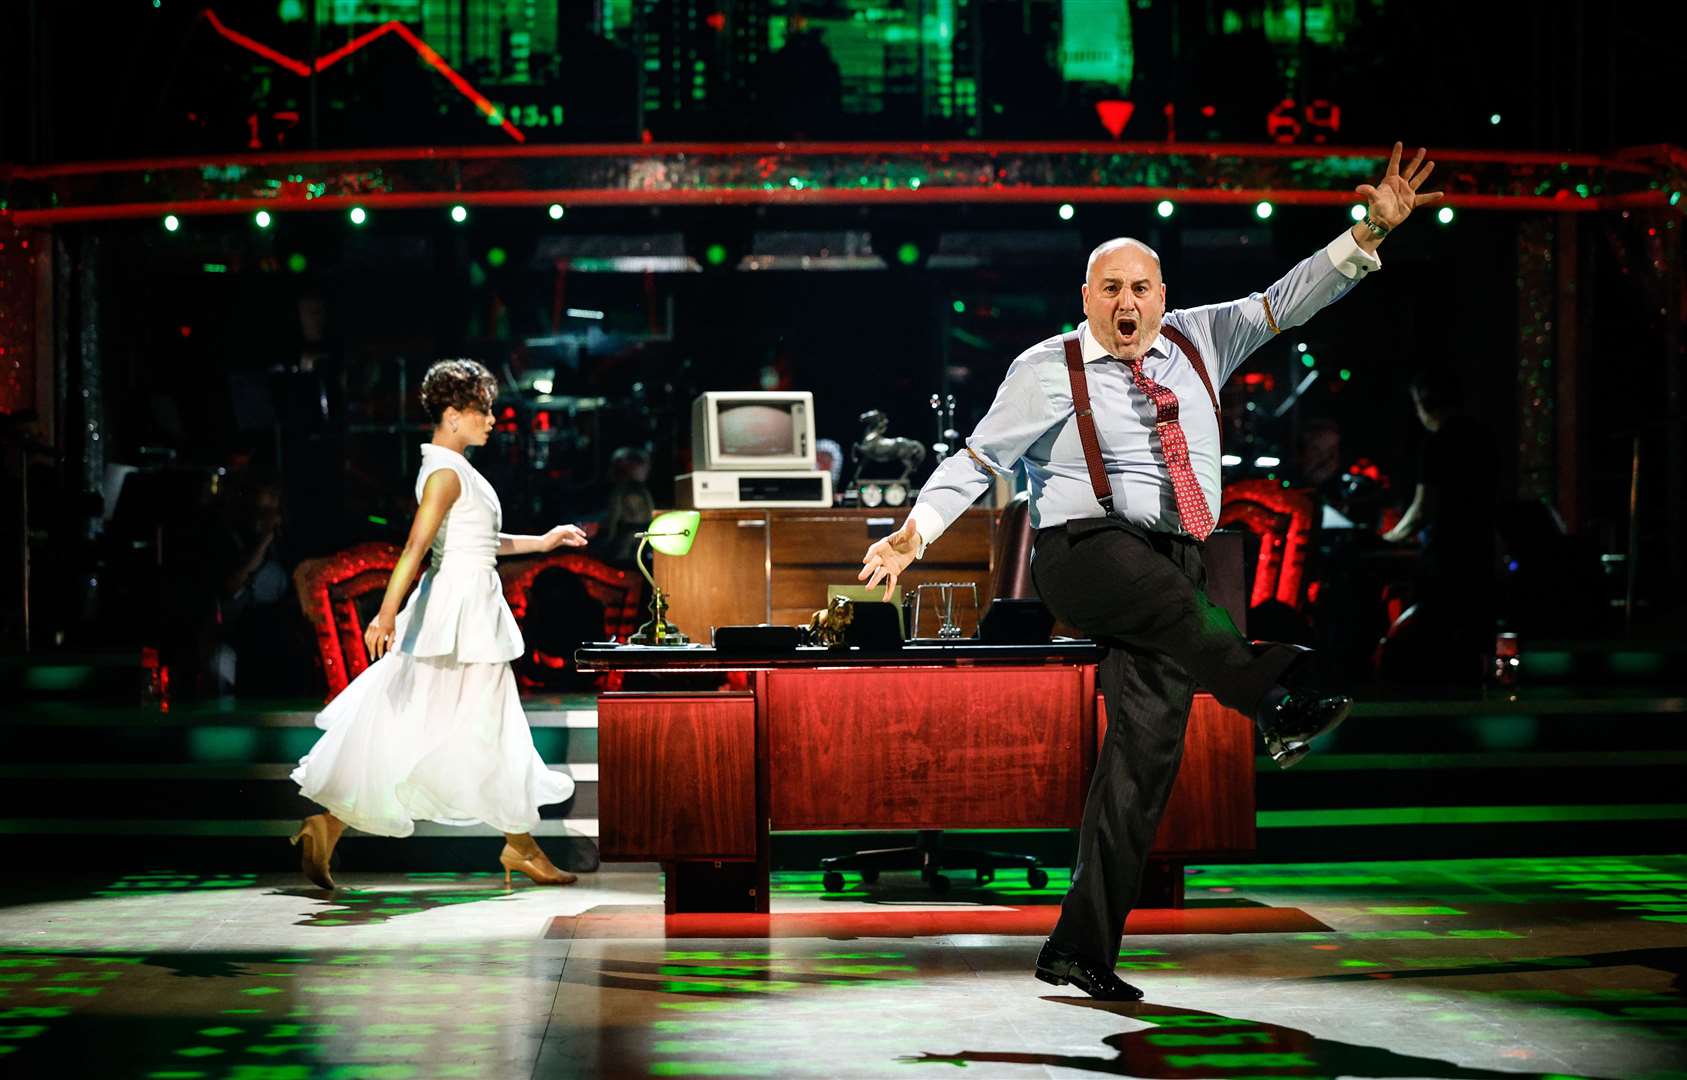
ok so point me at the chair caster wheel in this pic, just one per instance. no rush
(833, 881)
(984, 877)
(939, 884)
(869, 876)
(1036, 877)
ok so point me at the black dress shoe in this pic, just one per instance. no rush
(1060, 968)
(1290, 725)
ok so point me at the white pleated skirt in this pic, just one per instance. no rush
(429, 739)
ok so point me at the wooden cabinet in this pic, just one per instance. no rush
(722, 581)
(755, 566)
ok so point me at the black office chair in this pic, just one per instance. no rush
(1010, 576)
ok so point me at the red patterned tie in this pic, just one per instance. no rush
(1191, 500)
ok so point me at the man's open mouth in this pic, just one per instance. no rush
(1126, 327)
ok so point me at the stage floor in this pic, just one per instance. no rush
(1478, 968)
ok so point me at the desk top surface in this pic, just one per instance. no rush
(608, 657)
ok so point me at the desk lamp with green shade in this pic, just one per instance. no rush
(671, 533)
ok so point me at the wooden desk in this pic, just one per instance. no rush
(966, 736)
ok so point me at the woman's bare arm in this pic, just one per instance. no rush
(440, 491)
(560, 536)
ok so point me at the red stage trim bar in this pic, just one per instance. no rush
(641, 922)
(1634, 160)
(817, 174)
(620, 197)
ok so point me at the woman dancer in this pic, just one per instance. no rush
(433, 729)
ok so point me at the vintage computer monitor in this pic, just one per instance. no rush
(753, 448)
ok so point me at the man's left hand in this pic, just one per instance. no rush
(1392, 200)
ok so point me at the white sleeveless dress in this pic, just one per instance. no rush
(433, 731)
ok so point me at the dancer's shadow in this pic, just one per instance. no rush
(1189, 1044)
(364, 907)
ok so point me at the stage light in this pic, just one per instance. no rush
(555, 211)
(1308, 360)
(496, 257)
(296, 262)
(960, 307)
(1263, 210)
(1345, 374)
(1494, 119)
(908, 253)
(715, 254)
(358, 215)
(1166, 208)
(172, 223)
(1445, 215)
(1228, 460)
(1266, 461)
(262, 219)
(1674, 197)
(1066, 211)
(459, 213)
(1300, 346)
(1357, 213)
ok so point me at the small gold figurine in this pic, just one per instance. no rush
(830, 625)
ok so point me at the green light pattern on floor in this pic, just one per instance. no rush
(1465, 815)
(1537, 962)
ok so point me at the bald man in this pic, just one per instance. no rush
(1117, 425)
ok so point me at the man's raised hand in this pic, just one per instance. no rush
(1392, 200)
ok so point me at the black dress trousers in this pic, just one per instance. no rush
(1143, 596)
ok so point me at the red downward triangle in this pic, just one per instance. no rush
(1114, 115)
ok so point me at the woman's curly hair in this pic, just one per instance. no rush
(459, 384)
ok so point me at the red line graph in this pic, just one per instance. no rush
(322, 63)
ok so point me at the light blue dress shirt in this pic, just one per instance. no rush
(1032, 417)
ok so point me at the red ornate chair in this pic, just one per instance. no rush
(618, 590)
(331, 588)
(1282, 519)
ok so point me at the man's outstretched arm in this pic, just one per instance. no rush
(1227, 334)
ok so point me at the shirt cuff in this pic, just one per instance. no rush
(1349, 258)
(929, 524)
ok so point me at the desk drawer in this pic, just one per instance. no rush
(677, 776)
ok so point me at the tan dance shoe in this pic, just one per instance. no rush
(534, 864)
(316, 844)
